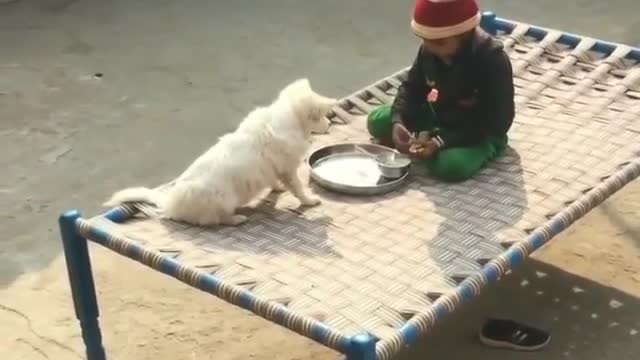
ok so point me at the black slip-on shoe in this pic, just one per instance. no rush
(509, 334)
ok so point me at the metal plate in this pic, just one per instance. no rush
(347, 169)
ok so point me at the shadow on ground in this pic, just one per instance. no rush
(588, 321)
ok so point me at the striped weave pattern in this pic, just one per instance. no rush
(395, 264)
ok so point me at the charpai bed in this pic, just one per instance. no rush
(368, 276)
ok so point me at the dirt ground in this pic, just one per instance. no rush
(99, 95)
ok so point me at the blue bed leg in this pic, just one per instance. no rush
(362, 347)
(76, 253)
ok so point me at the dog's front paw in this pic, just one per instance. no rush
(311, 200)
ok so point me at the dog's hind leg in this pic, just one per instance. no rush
(222, 218)
(228, 216)
(214, 213)
(233, 219)
(294, 184)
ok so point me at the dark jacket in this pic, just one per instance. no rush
(476, 92)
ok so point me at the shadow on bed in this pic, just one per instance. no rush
(477, 220)
(270, 232)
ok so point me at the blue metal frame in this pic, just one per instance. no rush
(358, 347)
(492, 24)
(206, 282)
(76, 253)
(362, 347)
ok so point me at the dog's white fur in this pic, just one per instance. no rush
(264, 152)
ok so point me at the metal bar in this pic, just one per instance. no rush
(76, 254)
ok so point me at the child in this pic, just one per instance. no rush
(459, 90)
(468, 81)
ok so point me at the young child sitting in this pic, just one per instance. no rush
(459, 92)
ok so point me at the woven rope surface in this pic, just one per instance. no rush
(371, 264)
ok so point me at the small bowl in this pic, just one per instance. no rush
(393, 165)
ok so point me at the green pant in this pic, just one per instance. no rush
(452, 164)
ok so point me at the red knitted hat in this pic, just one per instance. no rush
(436, 19)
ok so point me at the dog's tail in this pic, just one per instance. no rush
(135, 194)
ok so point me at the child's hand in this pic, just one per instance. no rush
(429, 150)
(423, 149)
(401, 137)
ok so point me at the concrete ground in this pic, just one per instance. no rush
(98, 95)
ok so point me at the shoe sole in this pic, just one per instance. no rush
(511, 346)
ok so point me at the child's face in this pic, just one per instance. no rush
(444, 48)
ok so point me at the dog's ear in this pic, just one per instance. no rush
(304, 82)
(297, 89)
(302, 85)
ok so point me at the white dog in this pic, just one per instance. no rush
(263, 153)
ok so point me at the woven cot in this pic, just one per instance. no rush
(369, 276)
